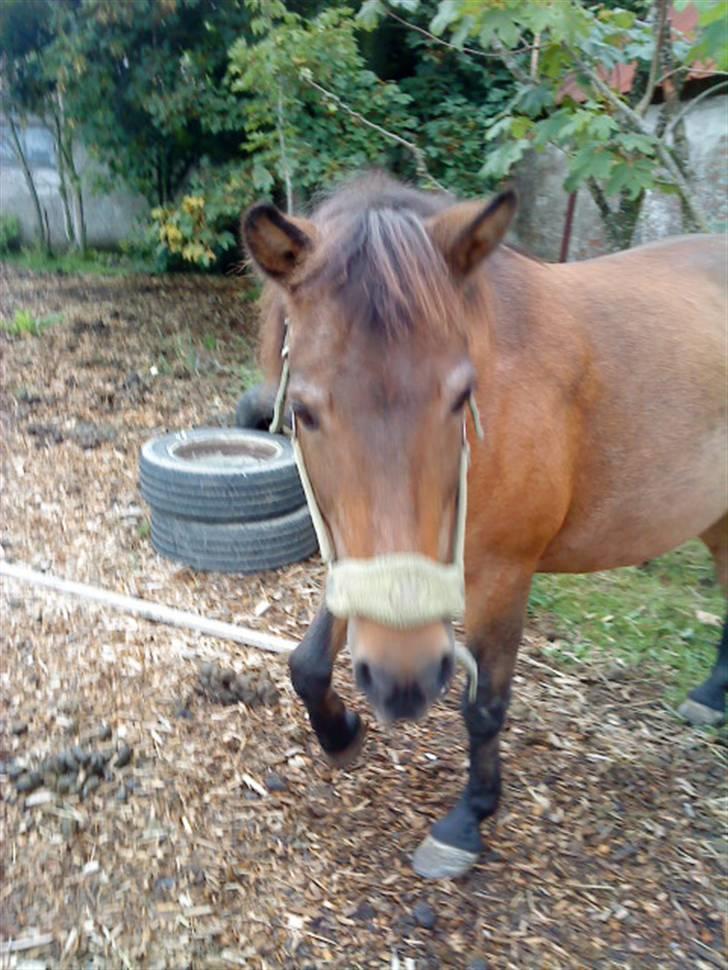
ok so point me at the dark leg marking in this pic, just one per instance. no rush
(455, 842)
(340, 732)
(706, 704)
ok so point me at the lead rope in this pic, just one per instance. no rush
(461, 653)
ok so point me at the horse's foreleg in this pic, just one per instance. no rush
(340, 732)
(455, 843)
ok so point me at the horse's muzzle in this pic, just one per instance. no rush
(401, 672)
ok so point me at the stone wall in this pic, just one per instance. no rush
(110, 216)
(540, 222)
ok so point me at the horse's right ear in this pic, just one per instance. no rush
(278, 244)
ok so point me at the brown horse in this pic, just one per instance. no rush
(602, 391)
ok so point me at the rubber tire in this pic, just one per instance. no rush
(255, 408)
(235, 547)
(207, 491)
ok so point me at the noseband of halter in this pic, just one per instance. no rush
(400, 590)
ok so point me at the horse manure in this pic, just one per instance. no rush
(274, 782)
(66, 784)
(82, 757)
(90, 786)
(424, 915)
(15, 770)
(364, 912)
(123, 756)
(28, 782)
(225, 686)
(97, 765)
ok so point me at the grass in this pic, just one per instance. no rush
(657, 615)
(94, 262)
(24, 324)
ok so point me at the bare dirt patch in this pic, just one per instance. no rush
(224, 840)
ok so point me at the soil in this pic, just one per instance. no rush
(214, 834)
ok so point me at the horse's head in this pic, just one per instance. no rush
(375, 292)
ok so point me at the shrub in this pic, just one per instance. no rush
(10, 237)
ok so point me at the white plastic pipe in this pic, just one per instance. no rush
(156, 612)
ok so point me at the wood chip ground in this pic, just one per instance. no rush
(608, 850)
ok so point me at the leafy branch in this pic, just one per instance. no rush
(415, 150)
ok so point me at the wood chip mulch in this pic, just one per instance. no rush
(214, 835)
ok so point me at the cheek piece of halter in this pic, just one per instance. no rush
(402, 589)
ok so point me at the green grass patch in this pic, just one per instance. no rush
(94, 262)
(25, 324)
(657, 614)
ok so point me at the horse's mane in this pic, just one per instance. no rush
(376, 257)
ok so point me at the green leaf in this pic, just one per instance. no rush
(533, 101)
(448, 12)
(521, 126)
(711, 13)
(262, 179)
(632, 142)
(502, 160)
(630, 177)
(370, 13)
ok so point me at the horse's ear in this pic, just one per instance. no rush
(468, 232)
(278, 244)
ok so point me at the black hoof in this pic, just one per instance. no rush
(348, 745)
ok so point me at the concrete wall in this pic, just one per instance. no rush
(110, 216)
(540, 222)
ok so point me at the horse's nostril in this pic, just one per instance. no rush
(363, 675)
(446, 668)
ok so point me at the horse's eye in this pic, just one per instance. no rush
(461, 400)
(305, 416)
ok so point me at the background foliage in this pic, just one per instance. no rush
(204, 106)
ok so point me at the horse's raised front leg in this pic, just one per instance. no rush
(455, 843)
(340, 732)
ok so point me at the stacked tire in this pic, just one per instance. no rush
(226, 500)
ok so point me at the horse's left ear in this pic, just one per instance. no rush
(468, 232)
(278, 244)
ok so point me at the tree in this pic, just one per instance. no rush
(311, 109)
(564, 56)
(142, 81)
(22, 90)
(31, 86)
(308, 111)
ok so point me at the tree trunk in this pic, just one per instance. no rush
(620, 222)
(66, 142)
(81, 235)
(62, 184)
(43, 236)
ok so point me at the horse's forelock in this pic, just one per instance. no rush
(380, 264)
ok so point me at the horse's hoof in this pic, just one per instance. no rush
(346, 757)
(700, 715)
(436, 860)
